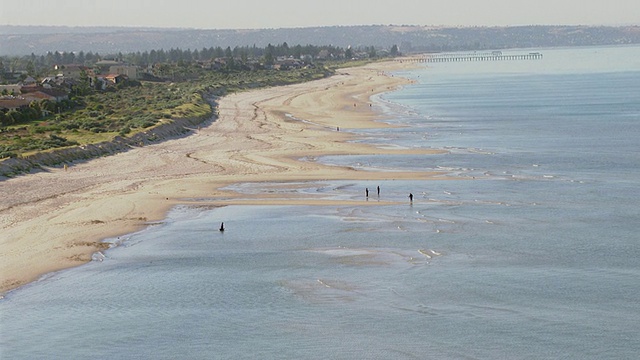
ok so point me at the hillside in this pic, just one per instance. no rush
(25, 40)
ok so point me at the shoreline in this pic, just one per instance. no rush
(56, 219)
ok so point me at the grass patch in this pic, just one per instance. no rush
(88, 137)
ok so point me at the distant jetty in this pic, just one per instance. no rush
(475, 56)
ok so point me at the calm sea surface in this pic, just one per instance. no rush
(533, 253)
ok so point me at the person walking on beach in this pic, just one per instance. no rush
(411, 197)
(378, 191)
(366, 192)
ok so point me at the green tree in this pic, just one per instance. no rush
(36, 109)
(68, 58)
(285, 49)
(153, 57)
(90, 57)
(14, 116)
(394, 51)
(348, 54)
(48, 105)
(4, 119)
(80, 57)
(31, 68)
(228, 54)
(84, 84)
(268, 55)
(297, 51)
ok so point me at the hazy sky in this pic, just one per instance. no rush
(252, 14)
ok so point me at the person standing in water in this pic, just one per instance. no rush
(222, 227)
(366, 192)
(378, 191)
(411, 197)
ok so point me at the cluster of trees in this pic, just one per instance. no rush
(244, 53)
(38, 66)
(34, 111)
(22, 114)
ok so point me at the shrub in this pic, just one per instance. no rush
(7, 154)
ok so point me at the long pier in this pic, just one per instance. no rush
(492, 56)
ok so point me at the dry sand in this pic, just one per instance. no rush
(56, 219)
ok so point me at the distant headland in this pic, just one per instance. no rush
(38, 40)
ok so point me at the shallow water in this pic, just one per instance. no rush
(531, 254)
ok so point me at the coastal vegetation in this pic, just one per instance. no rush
(175, 84)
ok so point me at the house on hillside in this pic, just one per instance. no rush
(52, 81)
(12, 76)
(103, 66)
(13, 102)
(131, 72)
(323, 54)
(29, 81)
(13, 89)
(38, 96)
(219, 64)
(27, 94)
(42, 93)
(111, 79)
(288, 64)
(71, 71)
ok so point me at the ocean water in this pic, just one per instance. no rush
(531, 252)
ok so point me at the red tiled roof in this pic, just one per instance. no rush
(38, 95)
(13, 103)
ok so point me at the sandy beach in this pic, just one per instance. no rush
(56, 219)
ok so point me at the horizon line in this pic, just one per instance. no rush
(441, 26)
